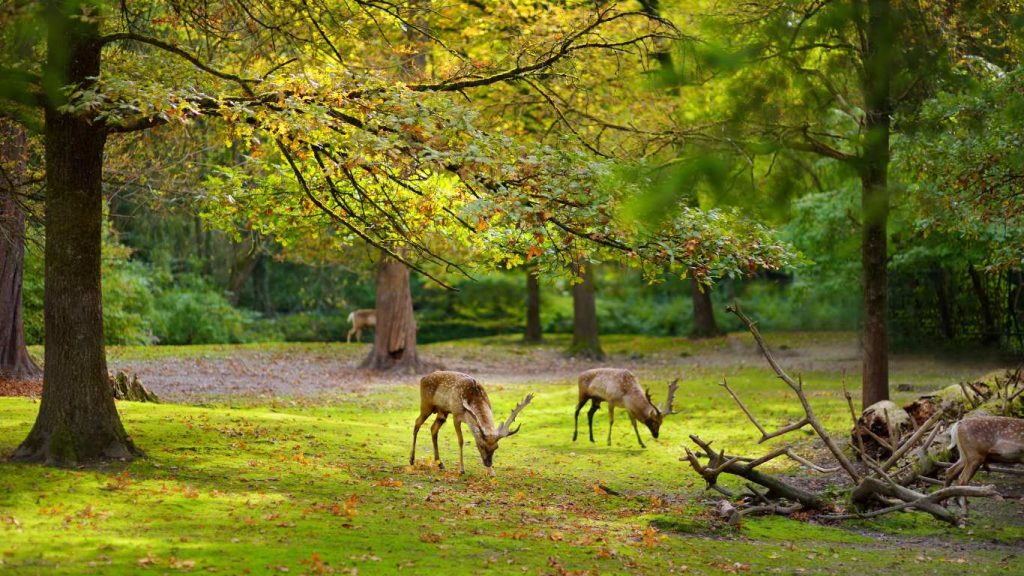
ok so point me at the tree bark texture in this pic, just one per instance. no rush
(704, 325)
(875, 200)
(585, 340)
(394, 343)
(77, 421)
(533, 334)
(15, 363)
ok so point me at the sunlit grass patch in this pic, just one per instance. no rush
(322, 486)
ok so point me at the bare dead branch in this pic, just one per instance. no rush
(914, 438)
(765, 435)
(798, 389)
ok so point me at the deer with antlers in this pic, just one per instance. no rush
(360, 319)
(462, 397)
(620, 388)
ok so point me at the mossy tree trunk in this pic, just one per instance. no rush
(77, 421)
(14, 359)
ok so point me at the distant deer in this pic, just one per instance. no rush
(982, 440)
(619, 388)
(360, 319)
(458, 394)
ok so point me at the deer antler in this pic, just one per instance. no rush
(666, 408)
(504, 430)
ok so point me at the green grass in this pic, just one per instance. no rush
(311, 488)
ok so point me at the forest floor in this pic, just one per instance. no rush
(285, 458)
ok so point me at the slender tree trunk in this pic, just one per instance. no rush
(991, 331)
(584, 321)
(704, 325)
(394, 343)
(77, 420)
(875, 201)
(245, 255)
(533, 334)
(14, 359)
(945, 309)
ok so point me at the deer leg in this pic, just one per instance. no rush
(576, 423)
(611, 420)
(438, 422)
(359, 335)
(633, 421)
(594, 405)
(954, 471)
(458, 432)
(416, 430)
(970, 469)
(348, 340)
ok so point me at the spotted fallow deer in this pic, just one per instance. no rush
(360, 319)
(462, 397)
(982, 440)
(619, 388)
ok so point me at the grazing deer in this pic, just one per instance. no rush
(620, 388)
(360, 319)
(458, 394)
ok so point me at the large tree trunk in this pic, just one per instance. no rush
(14, 359)
(77, 419)
(394, 343)
(533, 333)
(704, 325)
(584, 321)
(875, 201)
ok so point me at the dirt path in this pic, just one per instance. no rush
(327, 369)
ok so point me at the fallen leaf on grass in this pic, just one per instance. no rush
(431, 537)
(181, 564)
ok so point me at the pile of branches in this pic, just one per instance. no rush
(872, 487)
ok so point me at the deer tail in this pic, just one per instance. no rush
(351, 317)
(952, 436)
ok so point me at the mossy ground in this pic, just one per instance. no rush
(323, 486)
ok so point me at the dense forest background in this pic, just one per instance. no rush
(171, 279)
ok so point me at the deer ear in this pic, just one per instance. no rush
(465, 404)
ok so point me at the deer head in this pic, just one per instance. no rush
(486, 438)
(657, 416)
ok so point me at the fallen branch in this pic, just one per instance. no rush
(776, 488)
